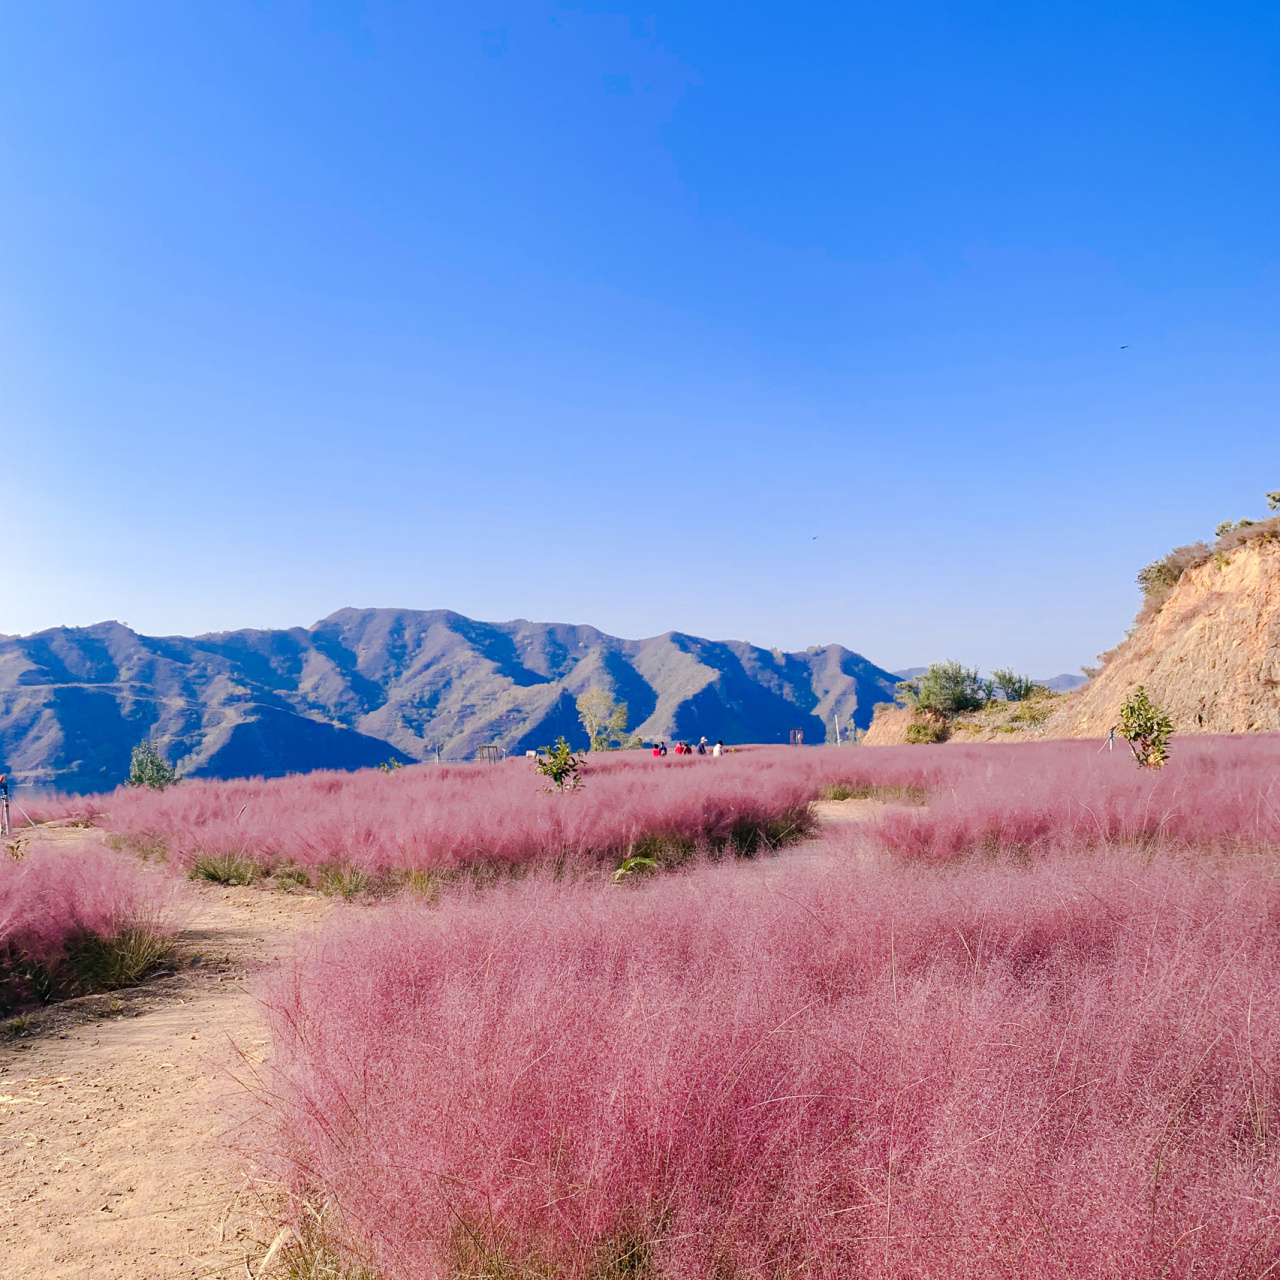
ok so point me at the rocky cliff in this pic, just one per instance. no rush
(1210, 656)
(1207, 647)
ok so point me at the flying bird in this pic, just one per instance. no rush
(1124, 346)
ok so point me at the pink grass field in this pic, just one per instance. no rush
(1219, 794)
(824, 1065)
(428, 818)
(51, 899)
(1020, 800)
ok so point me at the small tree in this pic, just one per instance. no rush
(1273, 500)
(560, 765)
(1146, 729)
(148, 768)
(604, 720)
(946, 689)
(1014, 687)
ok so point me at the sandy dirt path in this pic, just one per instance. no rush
(117, 1147)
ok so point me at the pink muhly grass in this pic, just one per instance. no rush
(48, 806)
(1216, 795)
(74, 919)
(446, 819)
(1018, 800)
(1064, 1071)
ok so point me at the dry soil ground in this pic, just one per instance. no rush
(120, 1114)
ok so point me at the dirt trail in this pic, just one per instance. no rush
(838, 811)
(116, 1156)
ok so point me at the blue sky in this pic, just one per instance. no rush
(790, 323)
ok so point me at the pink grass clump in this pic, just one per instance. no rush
(1217, 794)
(784, 1070)
(49, 806)
(55, 901)
(446, 819)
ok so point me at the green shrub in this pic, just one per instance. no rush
(560, 765)
(1230, 526)
(1016, 688)
(1160, 577)
(1035, 711)
(946, 689)
(1146, 729)
(148, 768)
(226, 868)
(289, 877)
(927, 731)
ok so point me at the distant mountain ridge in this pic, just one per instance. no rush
(367, 685)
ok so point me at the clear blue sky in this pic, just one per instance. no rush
(790, 323)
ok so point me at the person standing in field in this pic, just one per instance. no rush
(718, 749)
(702, 747)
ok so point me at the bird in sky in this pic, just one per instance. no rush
(1124, 346)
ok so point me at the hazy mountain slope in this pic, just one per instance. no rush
(366, 685)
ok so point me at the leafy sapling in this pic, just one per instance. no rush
(1146, 728)
(560, 765)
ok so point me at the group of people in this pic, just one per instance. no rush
(688, 749)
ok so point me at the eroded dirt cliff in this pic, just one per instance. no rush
(1210, 657)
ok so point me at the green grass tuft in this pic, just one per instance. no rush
(344, 882)
(226, 868)
(105, 964)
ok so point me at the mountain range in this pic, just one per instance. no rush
(365, 686)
